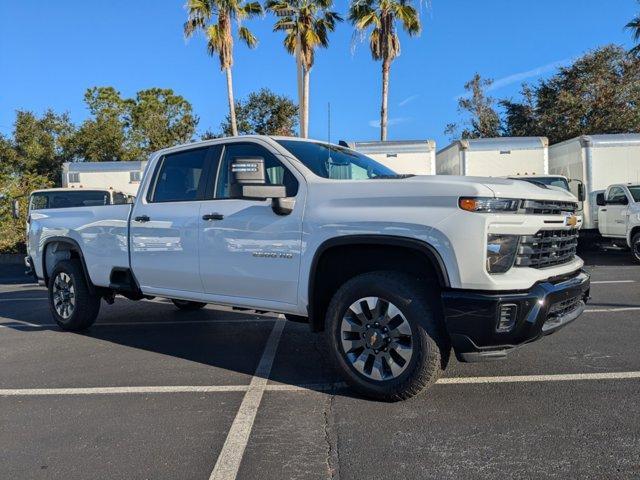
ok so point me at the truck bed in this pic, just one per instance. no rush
(101, 232)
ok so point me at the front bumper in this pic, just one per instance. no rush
(471, 316)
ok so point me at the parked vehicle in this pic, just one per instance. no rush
(598, 161)
(417, 157)
(494, 157)
(120, 176)
(554, 181)
(398, 270)
(619, 216)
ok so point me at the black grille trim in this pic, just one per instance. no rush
(548, 207)
(547, 248)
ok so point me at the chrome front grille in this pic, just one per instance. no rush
(548, 207)
(547, 248)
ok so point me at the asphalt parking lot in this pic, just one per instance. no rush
(153, 392)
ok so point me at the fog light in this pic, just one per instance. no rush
(507, 317)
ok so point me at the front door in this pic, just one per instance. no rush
(247, 251)
(164, 224)
(616, 212)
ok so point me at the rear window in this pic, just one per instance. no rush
(79, 198)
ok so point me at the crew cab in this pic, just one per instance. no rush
(619, 216)
(397, 270)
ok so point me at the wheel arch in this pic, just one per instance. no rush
(329, 270)
(56, 249)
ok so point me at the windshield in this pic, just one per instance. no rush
(66, 199)
(635, 192)
(549, 181)
(338, 163)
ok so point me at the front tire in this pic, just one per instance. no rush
(385, 336)
(187, 305)
(635, 247)
(72, 305)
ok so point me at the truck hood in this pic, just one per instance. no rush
(500, 187)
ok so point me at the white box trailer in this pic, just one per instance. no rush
(495, 157)
(417, 157)
(598, 161)
(119, 176)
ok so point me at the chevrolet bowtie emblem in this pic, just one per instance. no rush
(571, 220)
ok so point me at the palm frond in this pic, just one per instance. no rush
(247, 37)
(409, 18)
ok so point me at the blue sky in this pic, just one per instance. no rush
(50, 52)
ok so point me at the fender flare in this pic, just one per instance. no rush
(75, 247)
(374, 239)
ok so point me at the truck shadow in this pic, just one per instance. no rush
(219, 338)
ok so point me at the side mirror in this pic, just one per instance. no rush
(600, 200)
(249, 180)
(581, 192)
(15, 209)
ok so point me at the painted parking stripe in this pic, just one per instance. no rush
(562, 377)
(228, 463)
(602, 310)
(39, 392)
(613, 281)
(22, 299)
(17, 324)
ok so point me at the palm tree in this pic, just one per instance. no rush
(634, 26)
(381, 16)
(306, 24)
(219, 34)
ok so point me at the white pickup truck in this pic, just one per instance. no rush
(398, 270)
(619, 216)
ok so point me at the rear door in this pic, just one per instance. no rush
(247, 251)
(164, 224)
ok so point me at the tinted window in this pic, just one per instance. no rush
(79, 198)
(179, 175)
(616, 194)
(635, 193)
(331, 161)
(277, 174)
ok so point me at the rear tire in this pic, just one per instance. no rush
(72, 305)
(386, 337)
(635, 247)
(187, 305)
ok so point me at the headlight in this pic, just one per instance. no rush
(487, 204)
(501, 252)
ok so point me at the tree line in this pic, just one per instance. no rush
(598, 93)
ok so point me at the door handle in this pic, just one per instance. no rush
(142, 218)
(603, 209)
(213, 216)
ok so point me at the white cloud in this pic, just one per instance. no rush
(521, 76)
(408, 100)
(390, 121)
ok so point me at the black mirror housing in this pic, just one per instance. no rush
(263, 192)
(581, 193)
(248, 171)
(600, 199)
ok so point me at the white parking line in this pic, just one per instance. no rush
(260, 384)
(602, 310)
(613, 281)
(39, 392)
(22, 299)
(18, 324)
(228, 463)
(562, 377)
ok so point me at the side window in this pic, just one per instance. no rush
(277, 174)
(615, 194)
(179, 176)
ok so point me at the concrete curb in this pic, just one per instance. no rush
(12, 259)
